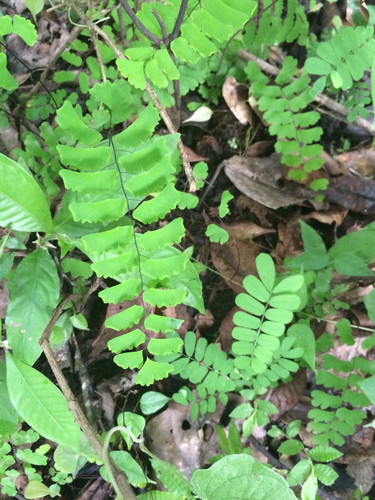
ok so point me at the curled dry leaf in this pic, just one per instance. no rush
(361, 161)
(192, 156)
(236, 96)
(262, 180)
(353, 193)
(236, 258)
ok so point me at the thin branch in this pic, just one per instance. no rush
(179, 20)
(73, 405)
(321, 99)
(165, 38)
(138, 23)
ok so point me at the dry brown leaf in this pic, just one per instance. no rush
(208, 146)
(236, 96)
(192, 156)
(285, 396)
(245, 231)
(260, 149)
(262, 180)
(226, 328)
(263, 213)
(335, 215)
(361, 160)
(174, 437)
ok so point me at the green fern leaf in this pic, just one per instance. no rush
(129, 360)
(127, 341)
(125, 319)
(164, 346)
(151, 371)
(70, 119)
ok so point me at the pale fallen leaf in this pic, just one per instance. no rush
(236, 96)
(202, 114)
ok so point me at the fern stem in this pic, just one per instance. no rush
(332, 321)
(138, 23)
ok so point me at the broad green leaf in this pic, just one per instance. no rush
(369, 301)
(299, 472)
(344, 331)
(34, 6)
(234, 438)
(116, 96)
(155, 74)
(239, 477)
(242, 411)
(40, 403)
(36, 489)
(152, 371)
(360, 244)
(293, 428)
(368, 387)
(171, 478)
(94, 182)
(166, 64)
(152, 401)
(324, 454)
(310, 487)
(159, 495)
(289, 302)
(290, 447)
(33, 295)
(351, 265)
(325, 474)
(250, 305)
(24, 213)
(126, 462)
(8, 415)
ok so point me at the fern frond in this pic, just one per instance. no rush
(283, 105)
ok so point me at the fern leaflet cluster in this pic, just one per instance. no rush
(283, 104)
(331, 425)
